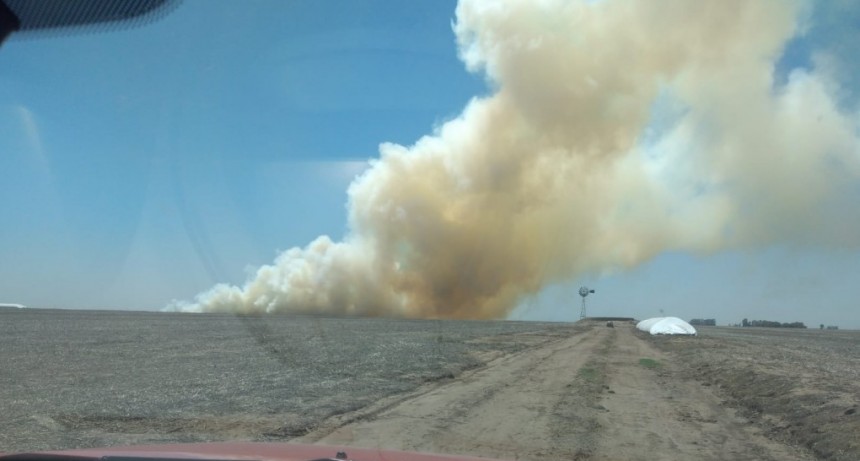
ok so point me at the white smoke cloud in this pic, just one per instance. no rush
(618, 130)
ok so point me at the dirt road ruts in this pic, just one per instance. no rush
(602, 394)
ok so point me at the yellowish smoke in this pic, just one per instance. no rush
(617, 130)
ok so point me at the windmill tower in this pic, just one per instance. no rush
(584, 292)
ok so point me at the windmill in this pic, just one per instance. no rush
(584, 291)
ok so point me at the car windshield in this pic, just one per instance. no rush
(435, 226)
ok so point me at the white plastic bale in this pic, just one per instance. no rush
(645, 325)
(666, 326)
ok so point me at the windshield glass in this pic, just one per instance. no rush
(390, 224)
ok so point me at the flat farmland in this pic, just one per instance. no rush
(508, 390)
(96, 378)
(800, 386)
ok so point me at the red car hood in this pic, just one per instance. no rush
(249, 451)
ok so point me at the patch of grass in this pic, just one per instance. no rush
(649, 363)
(588, 373)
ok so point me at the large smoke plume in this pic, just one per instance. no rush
(616, 130)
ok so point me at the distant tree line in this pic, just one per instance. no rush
(771, 324)
(705, 322)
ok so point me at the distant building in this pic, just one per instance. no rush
(705, 322)
(832, 327)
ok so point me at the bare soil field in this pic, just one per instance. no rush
(801, 387)
(103, 378)
(512, 390)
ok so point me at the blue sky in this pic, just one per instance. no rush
(145, 165)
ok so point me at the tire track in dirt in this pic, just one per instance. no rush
(653, 414)
(504, 410)
(587, 396)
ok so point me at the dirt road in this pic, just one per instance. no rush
(601, 394)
